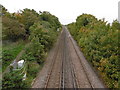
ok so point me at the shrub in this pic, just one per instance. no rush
(13, 80)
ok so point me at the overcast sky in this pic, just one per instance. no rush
(68, 10)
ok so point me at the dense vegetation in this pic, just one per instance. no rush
(99, 42)
(38, 30)
(9, 52)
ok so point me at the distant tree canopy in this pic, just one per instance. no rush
(116, 25)
(84, 20)
(28, 18)
(53, 20)
(17, 25)
(12, 29)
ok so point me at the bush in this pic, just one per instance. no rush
(32, 72)
(35, 52)
(13, 80)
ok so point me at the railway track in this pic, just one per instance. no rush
(64, 67)
(53, 62)
(91, 76)
(67, 70)
(74, 82)
(62, 75)
(74, 70)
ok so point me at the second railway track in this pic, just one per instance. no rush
(67, 69)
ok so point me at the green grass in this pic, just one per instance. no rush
(9, 52)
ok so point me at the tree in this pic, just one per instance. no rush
(4, 11)
(84, 20)
(53, 20)
(12, 29)
(28, 18)
(99, 43)
(116, 25)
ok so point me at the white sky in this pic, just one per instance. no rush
(68, 10)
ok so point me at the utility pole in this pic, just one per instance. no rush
(119, 11)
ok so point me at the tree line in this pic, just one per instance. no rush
(99, 42)
(17, 25)
(40, 30)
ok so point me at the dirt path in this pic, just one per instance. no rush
(15, 60)
(66, 67)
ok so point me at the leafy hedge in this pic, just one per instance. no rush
(99, 43)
